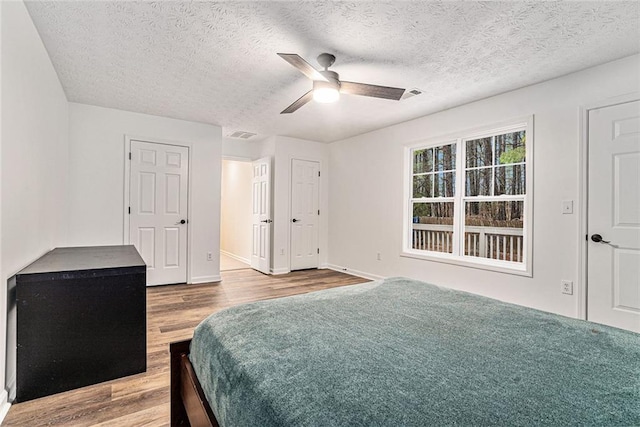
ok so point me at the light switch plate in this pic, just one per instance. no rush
(567, 207)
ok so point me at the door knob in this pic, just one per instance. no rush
(295, 220)
(598, 239)
(182, 221)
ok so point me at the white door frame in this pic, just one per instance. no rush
(126, 233)
(583, 195)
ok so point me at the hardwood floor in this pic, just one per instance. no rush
(172, 314)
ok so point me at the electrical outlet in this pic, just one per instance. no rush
(378, 257)
(209, 256)
(566, 287)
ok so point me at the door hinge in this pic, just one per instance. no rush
(318, 173)
(318, 211)
(129, 210)
(318, 250)
(129, 155)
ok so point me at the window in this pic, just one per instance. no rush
(470, 199)
(434, 185)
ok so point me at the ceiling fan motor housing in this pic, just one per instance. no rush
(333, 80)
(326, 60)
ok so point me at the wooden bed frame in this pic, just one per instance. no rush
(189, 405)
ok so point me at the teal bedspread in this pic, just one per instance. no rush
(400, 352)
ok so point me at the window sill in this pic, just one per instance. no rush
(471, 262)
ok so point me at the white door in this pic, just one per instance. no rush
(261, 215)
(158, 209)
(613, 284)
(305, 179)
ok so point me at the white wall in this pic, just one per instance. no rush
(284, 149)
(4, 404)
(240, 149)
(267, 147)
(235, 215)
(366, 188)
(96, 179)
(34, 147)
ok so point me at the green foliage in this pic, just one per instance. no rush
(421, 209)
(515, 155)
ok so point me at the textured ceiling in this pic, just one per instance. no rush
(216, 62)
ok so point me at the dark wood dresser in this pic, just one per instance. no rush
(80, 319)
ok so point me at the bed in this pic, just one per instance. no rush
(402, 352)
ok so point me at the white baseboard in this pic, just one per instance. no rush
(355, 272)
(10, 383)
(205, 279)
(4, 405)
(236, 257)
(277, 271)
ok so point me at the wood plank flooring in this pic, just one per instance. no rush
(172, 314)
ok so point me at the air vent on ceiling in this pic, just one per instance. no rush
(240, 134)
(411, 93)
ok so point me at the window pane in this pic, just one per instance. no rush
(423, 160)
(478, 182)
(445, 157)
(432, 228)
(510, 148)
(422, 185)
(479, 153)
(444, 185)
(433, 213)
(510, 180)
(494, 230)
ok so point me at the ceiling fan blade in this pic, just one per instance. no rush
(299, 103)
(363, 89)
(303, 66)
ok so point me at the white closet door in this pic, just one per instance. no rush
(613, 286)
(305, 180)
(158, 217)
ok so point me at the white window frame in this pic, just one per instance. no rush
(524, 268)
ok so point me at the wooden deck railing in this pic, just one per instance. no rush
(487, 242)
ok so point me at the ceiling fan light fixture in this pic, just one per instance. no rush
(325, 92)
(327, 85)
(326, 95)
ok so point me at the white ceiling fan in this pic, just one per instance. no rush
(327, 86)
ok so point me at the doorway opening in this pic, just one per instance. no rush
(235, 215)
